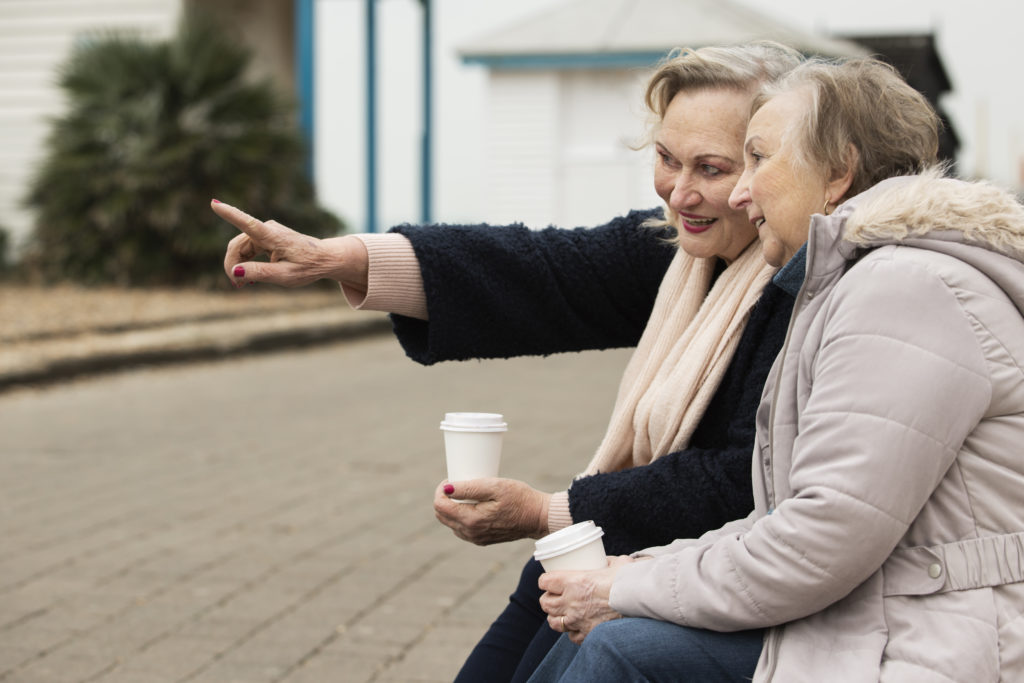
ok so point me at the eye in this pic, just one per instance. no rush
(710, 171)
(756, 157)
(667, 159)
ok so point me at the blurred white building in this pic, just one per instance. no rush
(564, 108)
(534, 119)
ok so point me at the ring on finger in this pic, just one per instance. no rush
(564, 629)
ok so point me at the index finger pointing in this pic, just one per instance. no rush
(251, 226)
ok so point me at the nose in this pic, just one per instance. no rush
(739, 198)
(684, 193)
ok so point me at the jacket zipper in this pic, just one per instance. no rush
(773, 637)
(768, 470)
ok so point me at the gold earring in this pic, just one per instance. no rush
(824, 208)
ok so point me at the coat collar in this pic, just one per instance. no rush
(974, 222)
(791, 276)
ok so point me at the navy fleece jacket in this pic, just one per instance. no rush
(499, 292)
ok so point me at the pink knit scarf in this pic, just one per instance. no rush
(683, 353)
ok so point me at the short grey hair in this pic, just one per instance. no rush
(861, 115)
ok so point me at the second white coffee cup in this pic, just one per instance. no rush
(472, 445)
(576, 547)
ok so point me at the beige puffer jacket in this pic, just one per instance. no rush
(887, 541)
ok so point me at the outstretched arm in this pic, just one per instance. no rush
(295, 259)
(502, 291)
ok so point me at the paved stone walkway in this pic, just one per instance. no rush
(266, 518)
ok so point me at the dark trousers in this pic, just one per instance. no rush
(517, 641)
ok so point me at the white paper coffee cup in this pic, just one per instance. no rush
(472, 445)
(576, 547)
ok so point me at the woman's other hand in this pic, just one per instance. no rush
(296, 259)
(507, 510)
(576, 602)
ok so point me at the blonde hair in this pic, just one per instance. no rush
(735, 67)
(742, 68)
(862, 117)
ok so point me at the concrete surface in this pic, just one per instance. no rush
(265, 517)
(42, 341)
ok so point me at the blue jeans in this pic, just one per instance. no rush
(638, 650)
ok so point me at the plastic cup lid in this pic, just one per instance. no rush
(474, 422)
(566, 540)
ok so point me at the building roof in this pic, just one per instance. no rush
(582, 32)
(916, 57)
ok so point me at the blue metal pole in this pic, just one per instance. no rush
(425, 171)
(371, 116)
(305, 62)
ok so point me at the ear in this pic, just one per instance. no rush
(842, 178)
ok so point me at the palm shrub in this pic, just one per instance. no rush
(153, 131)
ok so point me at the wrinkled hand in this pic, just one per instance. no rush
(507, 510)
(296, 259)
(580, 597)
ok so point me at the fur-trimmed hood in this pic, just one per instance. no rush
(975, 221)
(915, 206)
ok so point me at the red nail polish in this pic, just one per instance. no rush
(239, 271)
(449, 489)
(216, 201)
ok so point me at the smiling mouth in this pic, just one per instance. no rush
(698, 222)
(758, 222)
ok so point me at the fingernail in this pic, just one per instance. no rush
(216, 201)
(239, 271)
(449, 489)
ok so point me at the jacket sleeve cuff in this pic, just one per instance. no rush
(649, 587)
(394, 283)
(633, 585)
(559, 516)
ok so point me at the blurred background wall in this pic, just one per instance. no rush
(535, 103)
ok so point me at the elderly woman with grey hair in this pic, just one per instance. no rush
(887, 540)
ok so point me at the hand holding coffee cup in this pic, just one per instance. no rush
(472, 444)
(577, 579)
(508, 510)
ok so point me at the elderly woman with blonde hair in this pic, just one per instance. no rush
(887, 540)
(685, 284)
